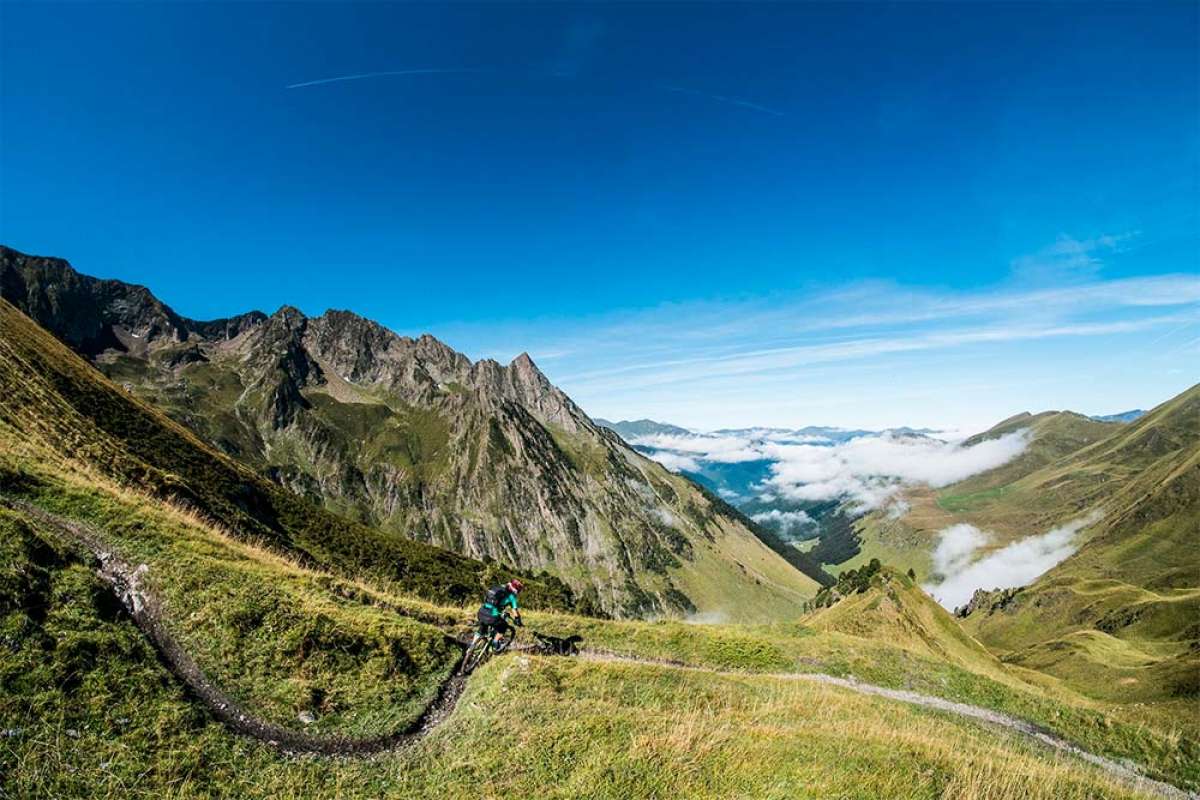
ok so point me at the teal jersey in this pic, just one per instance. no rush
(498, 598)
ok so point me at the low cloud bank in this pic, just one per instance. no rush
(787, 521)
(870, 469)
(717, 449)
(867, 469)
(1016, 564)
(676, 462)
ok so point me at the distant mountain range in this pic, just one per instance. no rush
(408, 436)
(635, 429)
(629, 429)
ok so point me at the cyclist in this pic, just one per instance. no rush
(496, 602)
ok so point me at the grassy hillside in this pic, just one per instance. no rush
(897, 610)
(1117, 619)
(1120, 617)
(1009, 501)
(101, 716)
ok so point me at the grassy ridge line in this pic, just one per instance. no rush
(48, 391)
(765, 648)
(1118, 617)
(121, 729)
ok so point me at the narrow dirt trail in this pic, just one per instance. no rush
(125, 580)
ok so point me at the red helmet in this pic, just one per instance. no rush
(516, 585)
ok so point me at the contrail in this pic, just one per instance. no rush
(720, 98)
(362, 75)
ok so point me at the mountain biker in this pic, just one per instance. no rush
(496, 601)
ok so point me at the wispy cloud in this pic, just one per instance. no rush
(566, 67)
(387, 73)
(1068, 259)
(720, 98)
(758, 362)
(785, 521)
(874, 354)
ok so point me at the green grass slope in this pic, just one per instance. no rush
(998, 500)
(324, 626)
(89, 711)
(896, 610)
(1117, 620)
(1121, 617)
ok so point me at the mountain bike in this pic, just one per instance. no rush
(484, 645)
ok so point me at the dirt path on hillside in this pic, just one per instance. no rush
(126, 582)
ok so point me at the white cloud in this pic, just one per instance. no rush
(787, 521)
(1067, 259)
(784, 360)
(1017, 564)
(871, 469)
(956, 548)
(868, 469)
(720, 449)
(675, 462)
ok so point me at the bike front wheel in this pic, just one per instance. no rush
(476, 653)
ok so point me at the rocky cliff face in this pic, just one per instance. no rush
(490, 460)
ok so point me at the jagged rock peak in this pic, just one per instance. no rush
(88, 313)
(524, 364)
(289, 314)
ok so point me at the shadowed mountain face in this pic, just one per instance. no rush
(407, 435)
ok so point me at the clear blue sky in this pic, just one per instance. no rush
(555, 178)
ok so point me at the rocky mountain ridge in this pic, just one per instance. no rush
(490, 460)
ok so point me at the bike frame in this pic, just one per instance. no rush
(475, 655)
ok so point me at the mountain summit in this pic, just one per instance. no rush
(407, 435)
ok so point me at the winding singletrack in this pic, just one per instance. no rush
(125, 580)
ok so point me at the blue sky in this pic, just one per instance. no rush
(714, 214)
